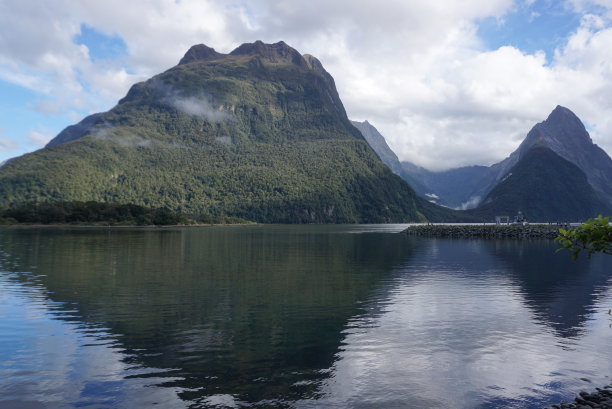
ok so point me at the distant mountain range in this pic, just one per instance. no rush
(557, 173)
(259, 133)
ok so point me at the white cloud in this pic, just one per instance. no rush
(39, 138)
(415, 69)
(6, 144)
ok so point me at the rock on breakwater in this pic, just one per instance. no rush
(539, 231)
(601, 399)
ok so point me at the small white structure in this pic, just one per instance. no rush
(499, 220)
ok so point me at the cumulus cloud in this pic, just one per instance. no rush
(415, 69)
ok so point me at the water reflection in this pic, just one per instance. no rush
(457, 328)
(307, 316)
(234, 315)
(561, 294)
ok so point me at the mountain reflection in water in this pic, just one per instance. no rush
(303, 316)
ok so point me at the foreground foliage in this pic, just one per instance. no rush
(594, 236)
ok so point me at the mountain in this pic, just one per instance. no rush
(259, 133)
(562, 132)
(546, 188)
(379, 144)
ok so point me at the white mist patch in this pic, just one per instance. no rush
(200, 105)
(224, 140)
(201, 108)
(107, 133)
(432, 196)
(470, 204)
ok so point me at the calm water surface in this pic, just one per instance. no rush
(296, 316)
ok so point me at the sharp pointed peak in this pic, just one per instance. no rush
(562, 112)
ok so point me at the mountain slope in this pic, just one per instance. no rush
(379, 144)
(546, 188)
(259, 133)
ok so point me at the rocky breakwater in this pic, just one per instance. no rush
(601, 399)
(540, 231)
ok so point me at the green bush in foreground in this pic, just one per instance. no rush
(594, 236)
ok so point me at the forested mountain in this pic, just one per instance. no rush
(259, 133)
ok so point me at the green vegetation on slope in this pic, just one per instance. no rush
(96, 213)
(89, 213)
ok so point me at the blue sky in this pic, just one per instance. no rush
(448, 84)
(540, 26)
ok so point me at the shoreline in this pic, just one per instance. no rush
(119, 226)
(535, 231)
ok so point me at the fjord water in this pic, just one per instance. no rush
(296, 316)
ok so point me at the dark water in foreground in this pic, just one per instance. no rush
(296, 316)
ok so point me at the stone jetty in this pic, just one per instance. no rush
(535, 231)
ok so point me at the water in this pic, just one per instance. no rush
(296, 316)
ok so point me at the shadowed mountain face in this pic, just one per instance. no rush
(259, 133)
(564, 134)
(546, 187)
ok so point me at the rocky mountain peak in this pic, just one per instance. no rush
(561, 128)
(199, 52)
(275, 53)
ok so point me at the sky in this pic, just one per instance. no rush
(448, 83)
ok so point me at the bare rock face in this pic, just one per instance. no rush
(275, 53)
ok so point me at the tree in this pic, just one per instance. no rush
(594, 236)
